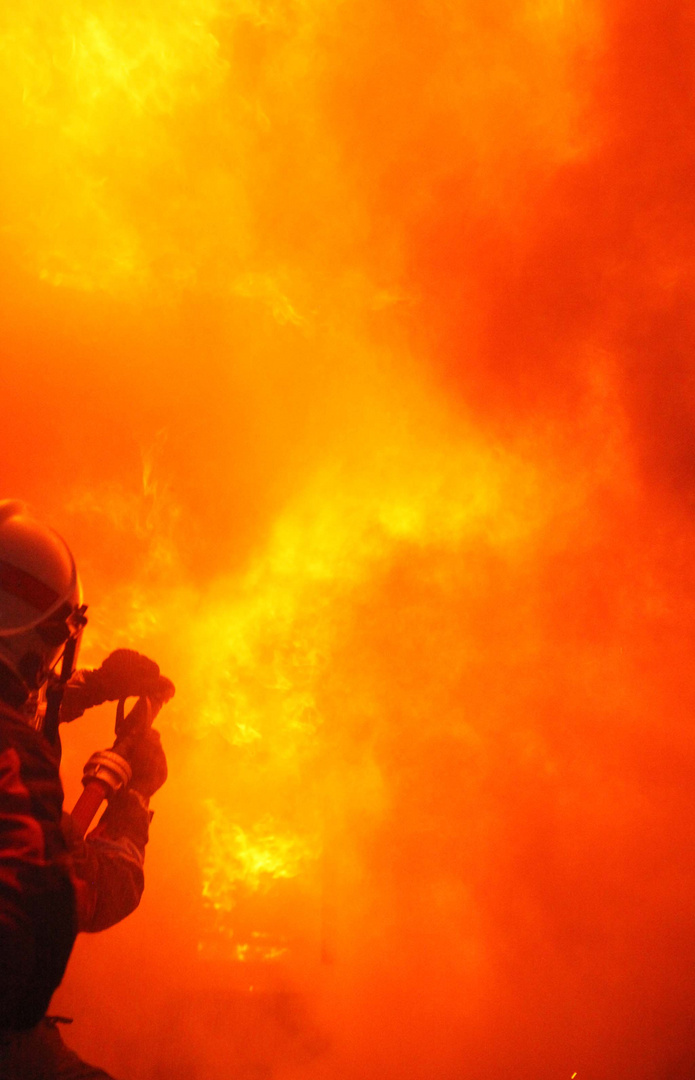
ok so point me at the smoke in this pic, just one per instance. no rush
(349, 347)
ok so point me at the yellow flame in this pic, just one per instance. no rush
(263, 641)
(87, 90)
(232, 856)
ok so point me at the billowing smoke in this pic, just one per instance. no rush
(349, 346)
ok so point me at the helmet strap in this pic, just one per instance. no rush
(56, 688)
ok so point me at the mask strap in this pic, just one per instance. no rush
(55, 689)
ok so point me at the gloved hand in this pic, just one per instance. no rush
(147, 760)
(125, 673)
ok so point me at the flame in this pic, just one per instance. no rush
(231, 856)
(86, 88)
(105, 100)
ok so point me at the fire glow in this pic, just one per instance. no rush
(353, 346)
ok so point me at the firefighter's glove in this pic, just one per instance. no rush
(125, 673)
(148, 762)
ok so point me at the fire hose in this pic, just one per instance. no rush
(109, 771)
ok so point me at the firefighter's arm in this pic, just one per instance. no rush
(123, 674)
(108, 863)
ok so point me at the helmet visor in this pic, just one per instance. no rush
(27, 601)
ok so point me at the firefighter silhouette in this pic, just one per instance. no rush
(54, 882)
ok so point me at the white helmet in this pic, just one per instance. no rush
(41, 611)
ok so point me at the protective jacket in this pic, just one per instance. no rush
(52, 883)
(107, 866)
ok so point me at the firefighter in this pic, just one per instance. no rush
(53, 883)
